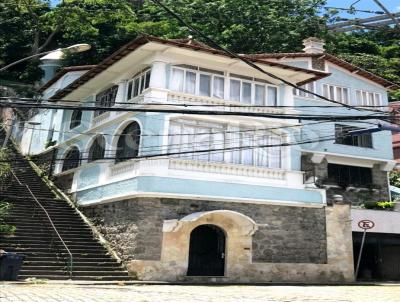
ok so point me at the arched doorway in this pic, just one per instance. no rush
(207, 251)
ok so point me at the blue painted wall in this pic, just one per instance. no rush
(198, 188)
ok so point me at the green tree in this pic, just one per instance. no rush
(245, 26)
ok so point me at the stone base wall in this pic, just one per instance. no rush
(298, 244)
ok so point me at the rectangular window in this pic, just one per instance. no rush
(336, 93)
(190, 82)
(130, 86)
(346, 176)
(205, 85)
(272, 96)
(234, 90)
(309, 87)
(138, 84)
(259, 97)
(106, 98)
(212, 83)
(192, 136)
(365, 98)
(219, 85)
(342, 136)
(177, 79)
(246, 92)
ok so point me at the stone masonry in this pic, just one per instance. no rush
(354, 195)
(134, 227)
(265, 242)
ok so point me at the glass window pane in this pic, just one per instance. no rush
(177, 79)
(303, 93)
(142, 79)
(274, 158)
(217, 142)
(346, 96)
(272, 96)
(332, 93)
(262, 153)
(205, 85)
(246, 92)
(234, 94)
(339, 96)
(190, 82)
(377, 99)
(358, 97)
(202, 139)
(130, 86)
(371, 99)
(247, 154)
(136, 87)
(147, 80)
(259, 98)
(218, 89)
(234, 143)
(325, 91)
(364, 96)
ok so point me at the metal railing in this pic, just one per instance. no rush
(70, 265)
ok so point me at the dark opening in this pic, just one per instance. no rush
(76, 118)
(380, 257)
(349, 175)
(72, 159)
(128, 143)
(343, 137)
(106, 98)
(97, 149)
(207, 251)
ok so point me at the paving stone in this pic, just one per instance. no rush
(203, 293)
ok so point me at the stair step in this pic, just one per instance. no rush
(81, 278)
(45, 256)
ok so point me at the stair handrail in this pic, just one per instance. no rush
(70, 266)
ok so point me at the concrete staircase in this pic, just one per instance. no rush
(46, 257)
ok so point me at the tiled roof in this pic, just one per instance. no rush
(183, 43)
(62, 72)
(335, 60)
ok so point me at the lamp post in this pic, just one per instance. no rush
(73, 49)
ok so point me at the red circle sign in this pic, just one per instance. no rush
(366, 224)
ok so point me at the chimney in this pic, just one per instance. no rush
(313, 45)
(50, 64)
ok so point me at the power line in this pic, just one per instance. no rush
(251, 64)
(185, 104)
(191, 112)
(169, 154)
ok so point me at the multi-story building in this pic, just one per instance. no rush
(242, 197)
(395, 106)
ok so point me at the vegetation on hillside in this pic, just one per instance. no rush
(31, 26)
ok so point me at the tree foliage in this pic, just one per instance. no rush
(32, 26)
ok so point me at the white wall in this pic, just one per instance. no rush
(385, 221)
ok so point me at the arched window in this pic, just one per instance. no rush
(71, 160)
(97, 149)
(76, 118)
(128, 142)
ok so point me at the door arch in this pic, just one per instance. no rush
(207, 251)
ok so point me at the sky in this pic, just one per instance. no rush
(391, 5)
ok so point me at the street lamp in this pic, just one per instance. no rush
(73, 49)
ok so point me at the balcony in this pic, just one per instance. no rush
(199, 170)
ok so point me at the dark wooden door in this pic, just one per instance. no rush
(207, 251)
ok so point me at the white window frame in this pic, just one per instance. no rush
(312, 85)
(227, 82)
(230, 139)
(141, 76)
(366, 101)
(335, 97)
